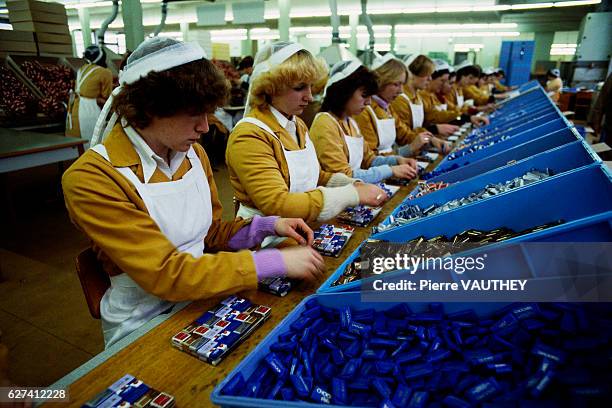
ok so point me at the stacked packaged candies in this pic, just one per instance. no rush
(131, 392)
(55, 82)
(279, 286)
(424, 188)
(362, 215)
(464, 151)
(218, 331)
(407, 213)
(330, 240)
(522, 355)
(435, 247)
(439, 172)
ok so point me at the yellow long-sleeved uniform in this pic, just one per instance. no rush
(401, 108)
(258, 170)
(451, 99)
(106, 207)
(99, 84)
(433, 113)
(500, 87)
(332, 151)
(479, 96)
(403, 134)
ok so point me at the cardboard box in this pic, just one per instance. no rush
(12, 35)
(21, 5)
(18, 46)
(34, 15)
(53, 38)
(42, 27)
(51, 49)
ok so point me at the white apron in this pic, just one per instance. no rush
(418, 113)
(385, 128)
(442, 107)
(460, 100)
(353, 143)
(88, 107)
(182, 210)
(303, 168)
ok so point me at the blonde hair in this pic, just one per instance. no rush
(300, 67)
(389, 72)
(422, 66)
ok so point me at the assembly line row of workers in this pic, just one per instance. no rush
(145, 195)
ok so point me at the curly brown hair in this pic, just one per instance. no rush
(194, 88)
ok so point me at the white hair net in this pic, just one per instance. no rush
(153, 55)
(269, 57)
(380, 61)
(341, 70)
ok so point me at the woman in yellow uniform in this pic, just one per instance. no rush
(272, 162)
(336, 136)
(409, 106)
(467, 80)
(93, 85)
(147, 199)
(437, 109)
(380, 127)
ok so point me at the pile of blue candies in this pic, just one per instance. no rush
(527, 355)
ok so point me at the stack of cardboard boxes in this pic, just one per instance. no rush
(17, 43)
(47, 21)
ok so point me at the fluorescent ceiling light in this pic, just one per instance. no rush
(422, 27)
(465, 34)
(453, 9)
(228, 38)
(531, 6)
(576, 3)
(564, 45)
(382, 47)
(262, 30)
(491, 8)
(88, 5)
(419, 10)
(265, 37)
(237, 31)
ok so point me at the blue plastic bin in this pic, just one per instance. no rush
(518, 121)
(559, 160)
(353, 299)
(514, 140)
(522, 151)
(582, 198)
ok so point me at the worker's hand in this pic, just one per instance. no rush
(294, 228)
(442, 145)
(479, 120)
(446, 130)
(407, 160)
(303, 263)
(404, 171)
(421, 140)
(370, 194)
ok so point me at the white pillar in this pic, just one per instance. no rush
(283, 21)
(353, 22)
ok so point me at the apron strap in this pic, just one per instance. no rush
(81, 79)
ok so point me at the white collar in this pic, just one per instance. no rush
(149, 159)
(280, 118)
